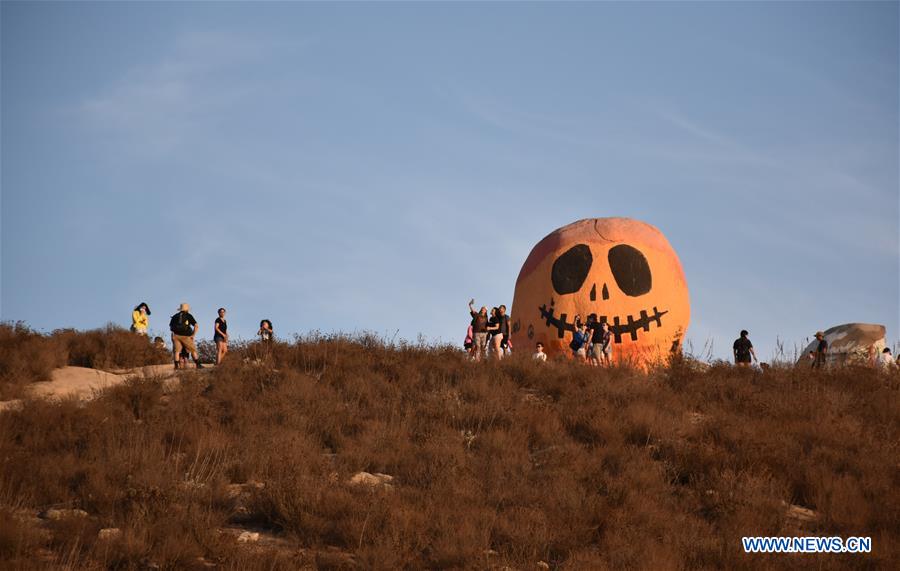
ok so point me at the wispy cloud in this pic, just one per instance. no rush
(163, 104)
(510, 117)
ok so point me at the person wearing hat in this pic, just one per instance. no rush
(821, 351)
(184, 328)
(140, 321)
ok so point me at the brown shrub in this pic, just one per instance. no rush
(27, 356)
(494, 464)
(109, 348)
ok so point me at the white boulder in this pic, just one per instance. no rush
(850, 343)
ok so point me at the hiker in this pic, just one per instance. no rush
(221, 335)
(266, 332)
(184, 328)
(821, 351)
(743, 350)
(885, 360)
(479, 329)
(140, 318)
(495, 329)
(539, 354)
(505, 344)
(579, 341)
(601, 342)
(159, 343)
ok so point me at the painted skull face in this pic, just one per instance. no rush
(614, 270)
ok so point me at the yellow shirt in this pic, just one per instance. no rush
(139, 321)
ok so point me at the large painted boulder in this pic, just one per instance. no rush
(620, 270)
(850, 343)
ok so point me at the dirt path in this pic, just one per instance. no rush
(83, 383)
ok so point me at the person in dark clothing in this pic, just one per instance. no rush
(184, 328)
(743, 350)
(601, 341)
(496, 338)
(220, 327)
(821, 351)
(479, 329)
(266, 331)
(504, 330)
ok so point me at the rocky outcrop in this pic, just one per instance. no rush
(850, 343)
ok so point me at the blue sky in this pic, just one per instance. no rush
(373, 166)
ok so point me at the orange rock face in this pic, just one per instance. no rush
(619, 270)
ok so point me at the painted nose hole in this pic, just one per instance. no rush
(605, 292)
(594, 293)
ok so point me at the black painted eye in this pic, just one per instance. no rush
(631, 270)
(571, 269)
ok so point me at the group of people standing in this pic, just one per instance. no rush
(488, 334)
(184, 327)
(488, 331)
(592, 341)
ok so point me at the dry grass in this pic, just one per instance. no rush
(494, 465)
(27, 356)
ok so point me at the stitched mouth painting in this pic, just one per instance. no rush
(615, 270)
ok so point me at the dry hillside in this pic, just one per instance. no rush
(510, 465)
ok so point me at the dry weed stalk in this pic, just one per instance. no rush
(494, 464)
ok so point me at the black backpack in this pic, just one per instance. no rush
(179, 324)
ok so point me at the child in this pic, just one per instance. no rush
(539, 354)
(885, 360)
(266, 333)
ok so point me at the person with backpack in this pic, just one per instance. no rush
(579, 341)
(184, 328)
(743, 350)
